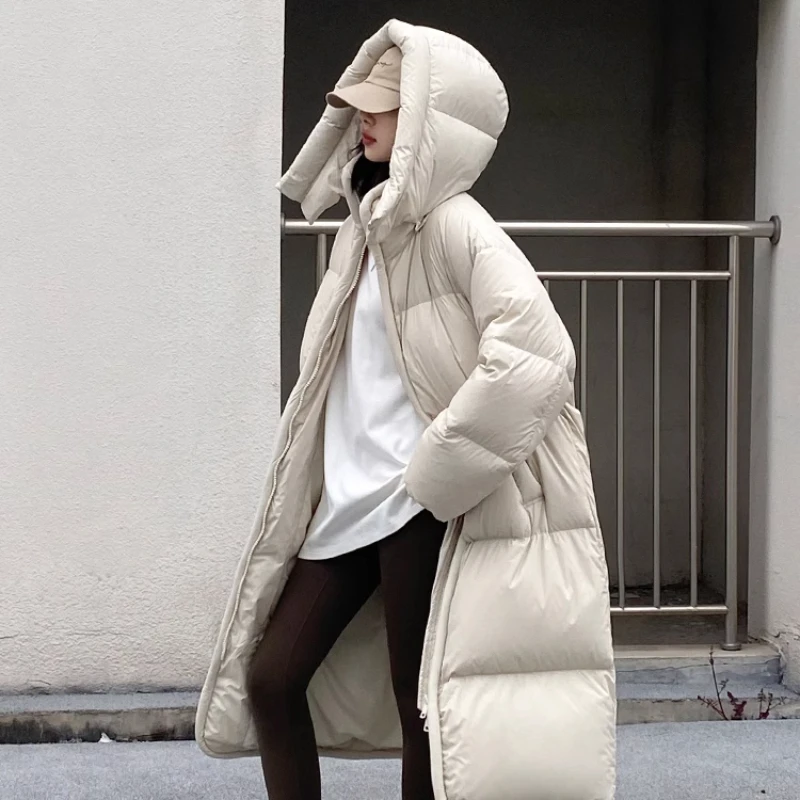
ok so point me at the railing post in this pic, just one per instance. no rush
(732, 453)
(621, 441)
(322, 257)
(584, 351)
(693, 457)
(657, 444)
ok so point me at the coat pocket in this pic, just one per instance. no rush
(501, 515)
(530, 488)
(533, 500)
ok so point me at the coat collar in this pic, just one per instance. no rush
(361, 210)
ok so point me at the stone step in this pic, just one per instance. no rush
(676, 683)
(639, 703)
(139, 716)
(659, 683)
(756, 662)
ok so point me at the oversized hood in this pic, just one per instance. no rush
(453, 109)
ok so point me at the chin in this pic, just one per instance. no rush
(377, 158)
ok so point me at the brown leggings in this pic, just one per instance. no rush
(319, 600)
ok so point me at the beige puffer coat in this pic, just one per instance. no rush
(518, 673)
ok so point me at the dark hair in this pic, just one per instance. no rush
(367, 174)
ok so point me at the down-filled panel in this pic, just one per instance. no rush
(552, 732)
(529, 605)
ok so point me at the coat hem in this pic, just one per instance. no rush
(324, 752)
(532, 672)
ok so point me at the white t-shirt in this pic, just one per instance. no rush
(371, 430)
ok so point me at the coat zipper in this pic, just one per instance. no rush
(437, 594)
(450, 538)
(433, 672)
(289, 440)
(430, 631)
(395, 340)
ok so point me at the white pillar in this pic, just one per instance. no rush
(139, 331)
(775, 484)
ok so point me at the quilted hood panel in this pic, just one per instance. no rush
(453, 109)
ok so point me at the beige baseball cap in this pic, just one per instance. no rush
(379, 92)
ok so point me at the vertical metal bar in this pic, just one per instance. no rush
(546, 283)
(322, 257)
(657, 444)
(620, 444)
(584, 350)
(732, 449)
(693, 476)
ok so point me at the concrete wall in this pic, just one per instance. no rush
(775, 519)
(139, 339)
(611, 118)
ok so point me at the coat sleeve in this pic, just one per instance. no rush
(522, 380)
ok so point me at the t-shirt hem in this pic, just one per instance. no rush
(349, 546)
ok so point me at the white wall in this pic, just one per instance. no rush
(139, 333)
(775, 514)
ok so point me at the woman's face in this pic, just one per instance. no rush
(377, 134)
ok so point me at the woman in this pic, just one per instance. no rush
(426, 569)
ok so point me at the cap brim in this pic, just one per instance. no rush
(365, 97)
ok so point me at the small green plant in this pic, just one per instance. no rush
(766, 700)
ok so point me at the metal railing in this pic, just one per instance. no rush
(734, 232)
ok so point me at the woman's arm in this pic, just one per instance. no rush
(518, 388)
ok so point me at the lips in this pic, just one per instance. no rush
(367, 139)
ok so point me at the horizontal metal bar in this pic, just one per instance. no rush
(652, 611)
(299, 227)
(750, 229)
(754, 230)
(716, 275)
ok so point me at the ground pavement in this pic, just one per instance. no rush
(688, 761)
